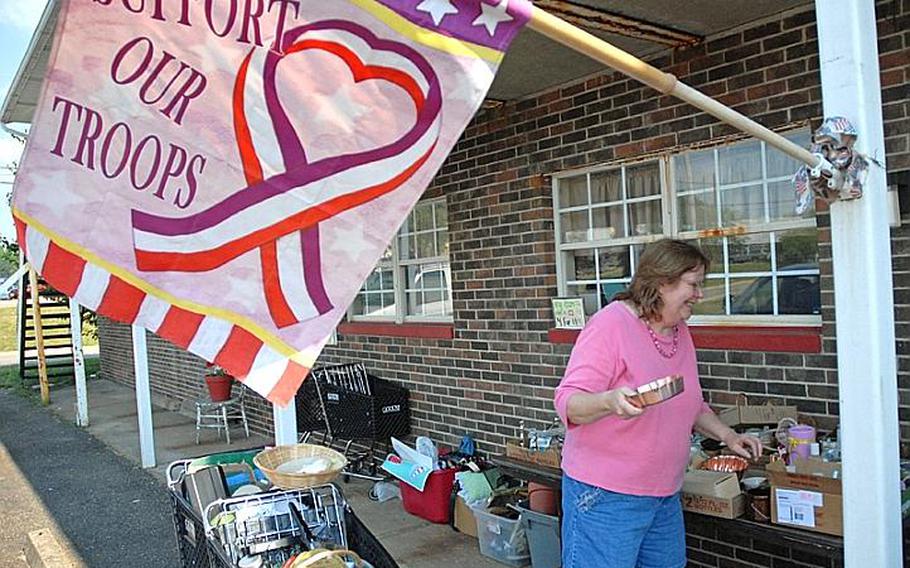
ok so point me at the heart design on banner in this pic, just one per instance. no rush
(289, 192)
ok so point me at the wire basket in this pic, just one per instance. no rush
(263, 524)
(268, 461)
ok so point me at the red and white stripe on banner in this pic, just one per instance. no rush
(268, 372)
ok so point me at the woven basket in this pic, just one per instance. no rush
(269, 460)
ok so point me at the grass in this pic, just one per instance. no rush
(9, 378)
(8, 329)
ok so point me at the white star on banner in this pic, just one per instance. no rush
(492, 16)
(438, 9)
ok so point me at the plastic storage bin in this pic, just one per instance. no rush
(502, 539)
(543, 537)
(434, 503)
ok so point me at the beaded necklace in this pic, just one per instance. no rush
(673, 346)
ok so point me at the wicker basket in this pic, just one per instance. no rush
(269, 460)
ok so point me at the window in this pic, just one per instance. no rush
(412, 280)
(734, 201)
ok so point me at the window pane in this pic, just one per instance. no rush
(588, 293)
(579, 265)
(442, 214)
(798, 295)
(782, 202)
(426, 245)
(606, 186)
(797, 250)
(573, 191)
(697, 211)
(750, 253)
(373, 282)
(779, 164)
(443, 237)
(714, 296)
(742, 206)
(714, 250)
(574, 226)
(407, 246)
(614, 263)
(608, 223)
(427, 303)
(357, 304)
(694, 170)
(643, 180)
(610, 289)
(645, 218)
(423, 217)
(739, 163)
(426, 276)
(751, 295)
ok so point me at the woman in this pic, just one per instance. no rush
(623, 466)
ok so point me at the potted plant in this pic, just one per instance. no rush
(219, 382)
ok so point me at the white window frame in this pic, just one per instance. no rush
(670, 214)
(399, 268)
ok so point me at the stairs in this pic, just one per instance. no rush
(58, 343)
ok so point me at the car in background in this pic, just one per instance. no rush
(796, 295)
(12, 293)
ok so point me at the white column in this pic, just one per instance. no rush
(864, 306)
(143, 398)
(285, 424)
(78, 364)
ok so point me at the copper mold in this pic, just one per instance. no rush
(657, 391)
(727, 464)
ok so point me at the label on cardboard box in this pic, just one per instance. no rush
(713, 493)
(796, 507)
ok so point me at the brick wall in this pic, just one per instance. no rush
(500, 367)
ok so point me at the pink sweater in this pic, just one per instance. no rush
(646, 455)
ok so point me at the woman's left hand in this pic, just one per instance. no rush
(744, 445)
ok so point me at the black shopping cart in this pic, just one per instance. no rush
(263, 525)
(356, 407)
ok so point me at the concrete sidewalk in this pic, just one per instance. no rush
(413, 542)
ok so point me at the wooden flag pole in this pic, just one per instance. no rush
(39, 336)
(571, 36)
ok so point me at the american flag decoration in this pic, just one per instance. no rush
(227, 179)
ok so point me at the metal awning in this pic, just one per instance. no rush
(533, 64)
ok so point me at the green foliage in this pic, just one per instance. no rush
(9, 257)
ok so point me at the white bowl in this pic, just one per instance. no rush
(753, 482)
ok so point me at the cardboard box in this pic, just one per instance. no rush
(714, 493)
(756, 414)
(550, 457)
(464, 518)
(809, 498)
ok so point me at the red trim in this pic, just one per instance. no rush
(806, 339)
(421, 330)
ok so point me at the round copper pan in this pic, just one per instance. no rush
(657, 391)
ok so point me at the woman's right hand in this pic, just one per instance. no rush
(617, 403)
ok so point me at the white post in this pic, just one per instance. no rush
(285, 424)
(20, 303)
(78, 364)
(863, 306)
(143, 398)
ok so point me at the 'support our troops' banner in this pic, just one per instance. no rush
(226, 174)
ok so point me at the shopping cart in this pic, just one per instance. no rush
(264, 524)
(357, 408)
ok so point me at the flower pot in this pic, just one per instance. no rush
(219, 387)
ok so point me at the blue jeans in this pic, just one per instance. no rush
(603, 529)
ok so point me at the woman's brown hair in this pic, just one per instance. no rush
(663, 262)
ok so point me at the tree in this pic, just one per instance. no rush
(9, 258)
